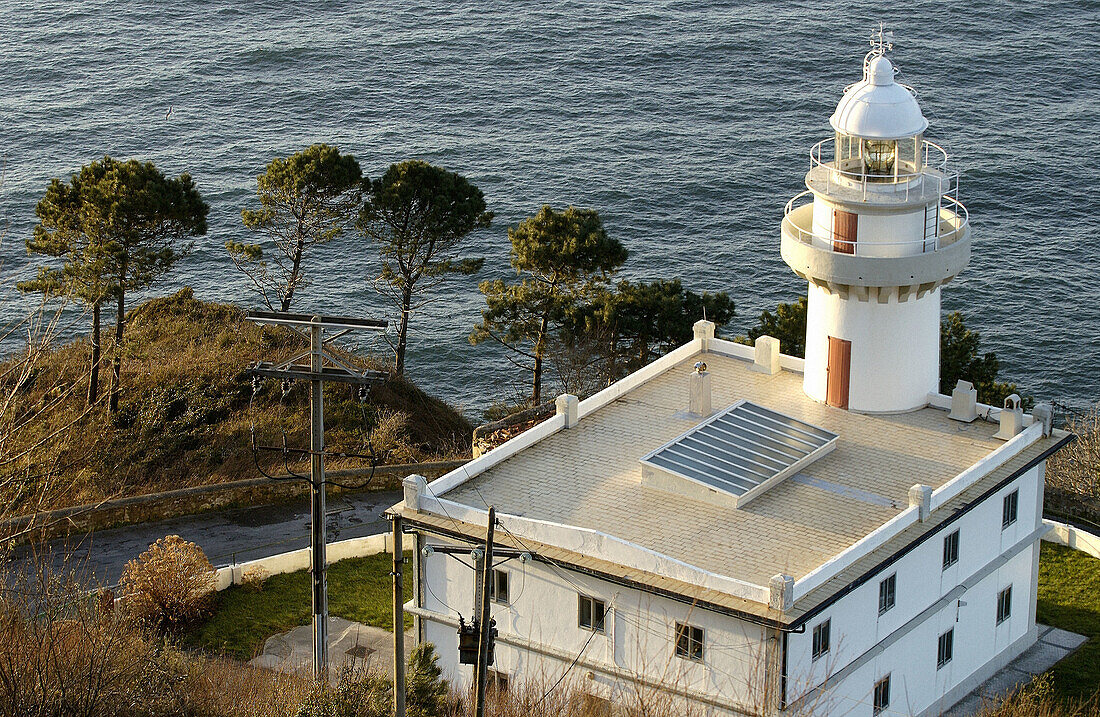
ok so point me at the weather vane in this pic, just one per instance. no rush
(881, 40)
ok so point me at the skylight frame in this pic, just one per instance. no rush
(758, 448)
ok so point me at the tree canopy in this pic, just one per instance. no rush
(307, 198)
(118, 226)
(418, 215)
(960, 359)
(562, 259)
(788, 324)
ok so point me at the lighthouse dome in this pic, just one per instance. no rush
(877, 107)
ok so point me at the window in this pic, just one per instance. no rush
(1004, 604)
(950, 550)
(946, 647)
(498, 681)
(887, 590)
(882, 694)
(590, 613)
(821, 639)
(498, 587)
(689, 642)
(1008, 511)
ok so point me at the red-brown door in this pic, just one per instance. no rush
(838, 372)
(844, 231)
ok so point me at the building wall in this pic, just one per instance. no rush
(882, 232)
(639, 637)
(865, 646)
(895, 348)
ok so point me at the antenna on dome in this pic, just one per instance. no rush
(881, 40)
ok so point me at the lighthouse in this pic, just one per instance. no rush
(877, 234)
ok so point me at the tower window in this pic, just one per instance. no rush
(950, 550)
(1009, 509)
(882, 694)
(821, 640)
(1004, 604)
(590, 613)
(946, 648)
(879, 157)
(498, 587)
(887, 590)
(689, 642)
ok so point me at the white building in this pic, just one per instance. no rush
(766, 534)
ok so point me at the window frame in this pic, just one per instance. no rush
(945, 648)
(694, 638)
(881, 695)
(822, 633)
(499, 576)
(591, 601)
(1004, 605)
(1010, 509)
(950, 549)
(887, 588)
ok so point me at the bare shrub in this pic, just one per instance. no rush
(1076, 468)
(170, 585)
(253, 578)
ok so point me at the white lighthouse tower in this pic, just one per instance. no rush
(883, 233)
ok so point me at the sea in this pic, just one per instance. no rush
(687, 125)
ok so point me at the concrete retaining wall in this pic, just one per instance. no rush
(296, 560)
(198, 499)
(1072, 537)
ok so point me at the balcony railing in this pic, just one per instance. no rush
(952, 219)
(935, 175)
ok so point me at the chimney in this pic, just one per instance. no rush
(699, 391)
(1012, 418)
(767, 355)
(964, 402)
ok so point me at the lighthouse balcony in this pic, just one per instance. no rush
(910, 266)
(907, 174)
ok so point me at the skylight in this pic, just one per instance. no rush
(736, 454)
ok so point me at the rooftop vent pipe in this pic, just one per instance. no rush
(699, 402)
(1012, 418)
(964, 402)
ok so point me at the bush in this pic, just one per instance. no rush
(252, 579)
(170, 585)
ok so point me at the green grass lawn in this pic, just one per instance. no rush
(359, 589)
(1069, 598)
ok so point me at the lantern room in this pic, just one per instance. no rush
(879, 128)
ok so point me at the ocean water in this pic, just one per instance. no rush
(686, 124)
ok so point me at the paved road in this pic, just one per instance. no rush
(227, 536)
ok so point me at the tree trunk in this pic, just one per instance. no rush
(93, 380)
(540, 348)
(294, 271)
(403, 330)
(116, 368)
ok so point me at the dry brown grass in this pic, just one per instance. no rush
(1037, 699)
(185, 413)
(170, 585)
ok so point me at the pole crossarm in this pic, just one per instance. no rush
(285, 318)
(301, 372)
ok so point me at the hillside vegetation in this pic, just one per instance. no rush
(185, 416)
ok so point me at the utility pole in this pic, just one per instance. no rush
(316, 372)
(398, 620)
(485, 636)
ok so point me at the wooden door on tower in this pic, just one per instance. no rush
(838, 372)
(844, 231)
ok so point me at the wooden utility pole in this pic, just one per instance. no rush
(398, 620)
(317, 538)
(481, 670)
(316, 372)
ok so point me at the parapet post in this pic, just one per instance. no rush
(782, 592)
(766, 356)
(568, 405)
(704, 332)
(415, 485)
(920, 496)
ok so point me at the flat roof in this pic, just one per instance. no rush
(590, 476)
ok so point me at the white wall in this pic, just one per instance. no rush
(856, 628)
(639, 636)
(895, 348)
(878, 234)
